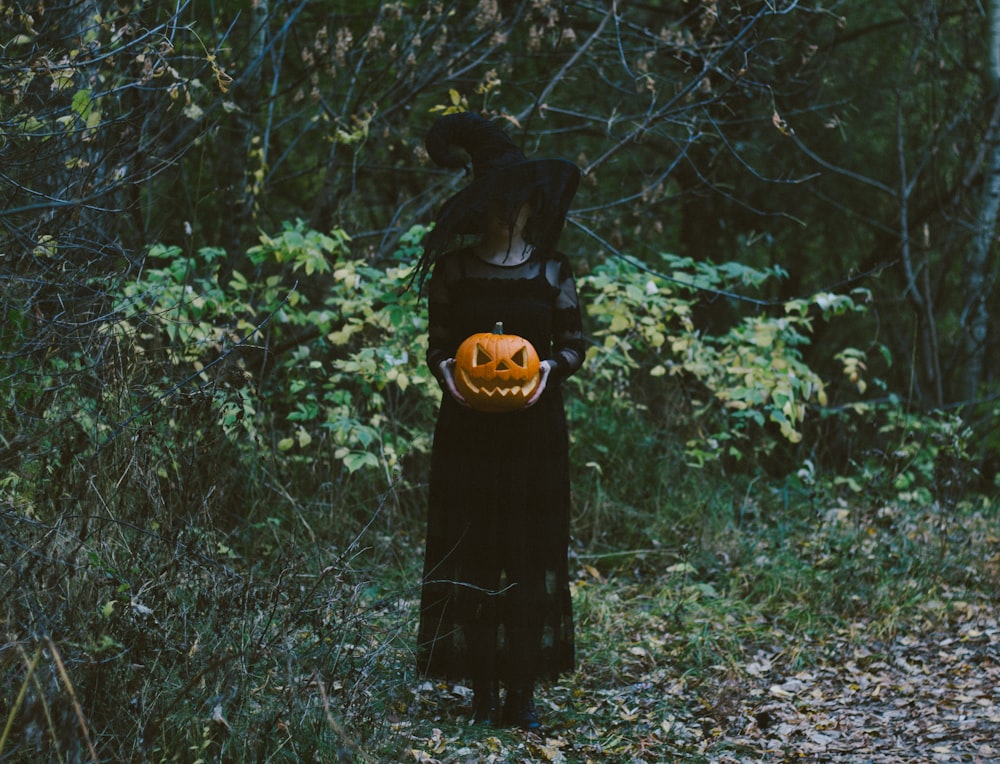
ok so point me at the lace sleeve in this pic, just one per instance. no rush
(568, 346)
(441, 342)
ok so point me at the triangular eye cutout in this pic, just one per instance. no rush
(481, 357)
(520, 358)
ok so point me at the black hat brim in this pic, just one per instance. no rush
(546, 185)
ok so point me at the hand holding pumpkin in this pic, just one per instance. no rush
(544, 368)
(448, 374)
(497, 372)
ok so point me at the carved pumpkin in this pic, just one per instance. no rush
(496, 371)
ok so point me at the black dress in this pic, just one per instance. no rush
(495, 599)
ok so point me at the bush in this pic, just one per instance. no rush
(212, 509)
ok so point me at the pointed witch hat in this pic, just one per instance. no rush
(503, 179)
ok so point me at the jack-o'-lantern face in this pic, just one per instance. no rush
(496, 371)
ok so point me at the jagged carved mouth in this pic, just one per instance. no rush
(500, 388)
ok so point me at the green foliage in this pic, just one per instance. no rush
(318, 355)
(918, 458)
(209, 541)
(182, 299)
(337, 363)
(347, 367)
(191, 442)
(342, 366)
(183, 645)
(753, 372)
(134, 107)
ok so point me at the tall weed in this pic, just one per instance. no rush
(211, 532)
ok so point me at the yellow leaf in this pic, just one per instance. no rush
(779, 122)
(681, 567)
(339, 337)
(618, 323)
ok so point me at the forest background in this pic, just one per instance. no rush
(216, 422)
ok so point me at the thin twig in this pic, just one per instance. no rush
(334, 724)
(64, 675)
(20, 698)
(638, 264)
(188, 379)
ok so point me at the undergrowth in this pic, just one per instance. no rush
(282, 637)
(211, 521)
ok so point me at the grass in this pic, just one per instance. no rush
(214, 615)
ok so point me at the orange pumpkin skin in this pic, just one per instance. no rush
(496, 372)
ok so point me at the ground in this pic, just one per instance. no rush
(930, 693)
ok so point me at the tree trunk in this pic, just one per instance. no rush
(243, 158)
(977, 281)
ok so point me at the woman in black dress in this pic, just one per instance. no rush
(495, 602)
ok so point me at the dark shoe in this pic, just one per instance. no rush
(519, 710)
(486, 704)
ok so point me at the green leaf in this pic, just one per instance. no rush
(357, 460)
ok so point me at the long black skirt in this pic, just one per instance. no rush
(495, 599)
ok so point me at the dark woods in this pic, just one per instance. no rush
(213, 403)
(848, 146)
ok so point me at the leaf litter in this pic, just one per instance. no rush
(925, 695)
(737, 686)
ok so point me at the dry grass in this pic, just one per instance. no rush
(268, 640)
(176, 597)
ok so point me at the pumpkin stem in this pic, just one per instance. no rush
(498, 329)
